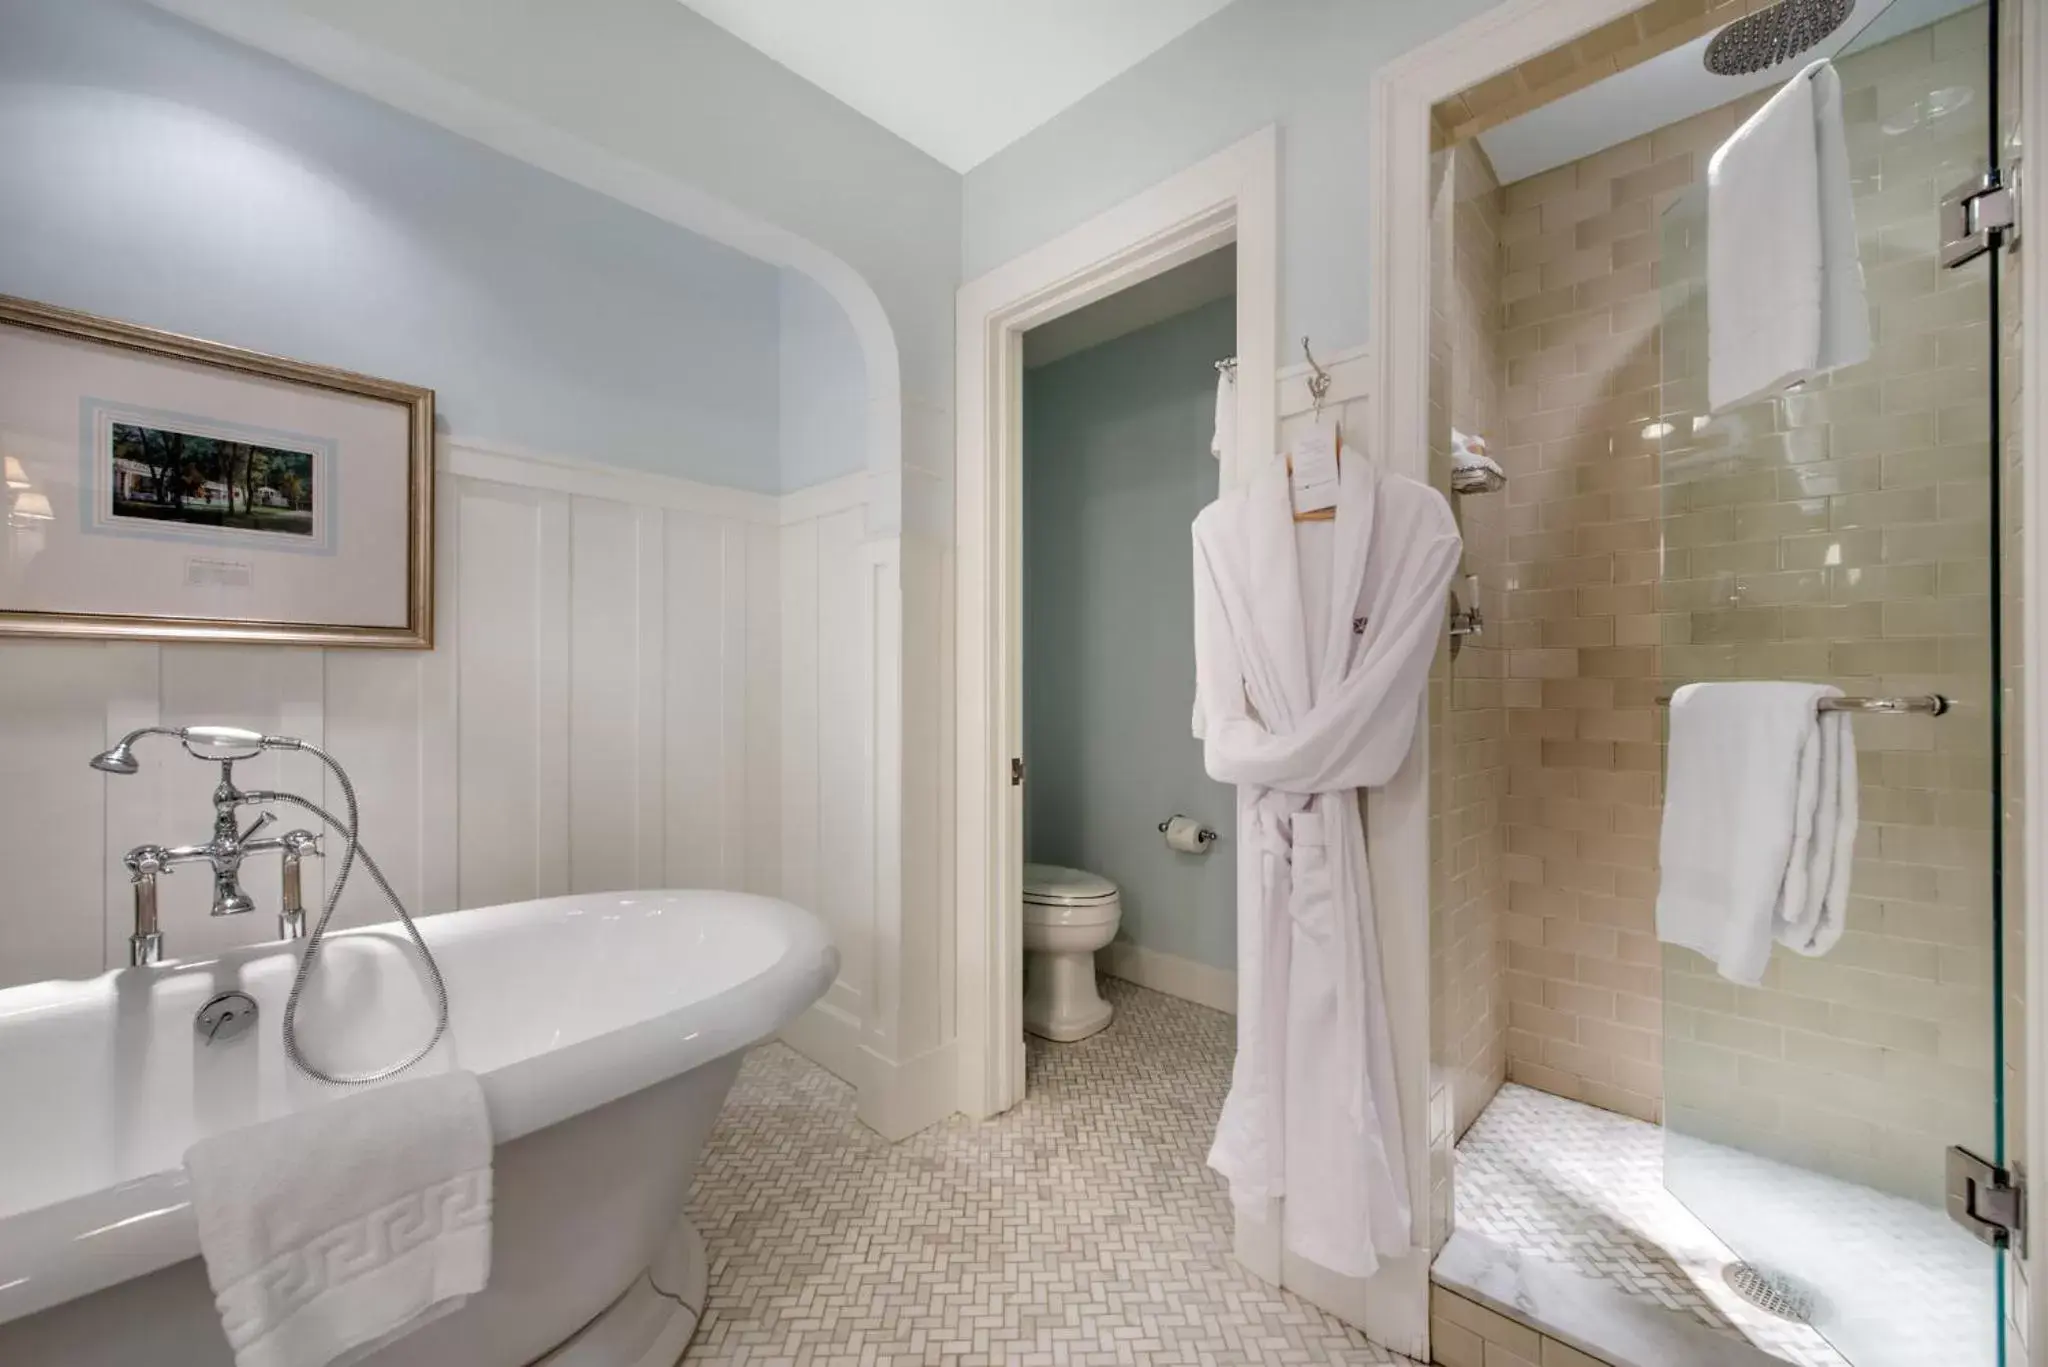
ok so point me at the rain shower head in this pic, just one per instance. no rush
(1768, 37)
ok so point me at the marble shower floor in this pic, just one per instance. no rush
(1584, 1188)
(1083, 1227)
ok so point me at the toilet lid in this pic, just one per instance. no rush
(1052, 885)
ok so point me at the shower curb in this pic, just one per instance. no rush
(1537, 1312)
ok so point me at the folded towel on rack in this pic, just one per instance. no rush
(1759, 823)
(1784, 283)
(1472, 470)
(331, 1232)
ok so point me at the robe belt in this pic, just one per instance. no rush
(1286, 825)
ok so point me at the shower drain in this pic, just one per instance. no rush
(1772, 1292)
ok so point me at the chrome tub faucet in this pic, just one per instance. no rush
(223, 854)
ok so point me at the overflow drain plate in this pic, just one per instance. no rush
(225, 1016)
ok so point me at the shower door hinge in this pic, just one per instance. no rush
(1987, 1200)
(1978, 215)
(1016, 773)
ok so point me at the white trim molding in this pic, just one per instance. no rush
(1394, 1307)
(1188, 979)
(502, 464)
(1231, 196)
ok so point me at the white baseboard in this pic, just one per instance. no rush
(894, 1097)
(1203, 984)
(910, 1094)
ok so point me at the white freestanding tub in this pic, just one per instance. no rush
(606, 1029)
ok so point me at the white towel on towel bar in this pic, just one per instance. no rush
(1759, 823)
(331, 1232)
(1784, 283)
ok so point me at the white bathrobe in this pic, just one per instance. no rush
(1312, 647)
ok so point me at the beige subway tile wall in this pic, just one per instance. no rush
(1468, 761)
(1839, 534)
(1580, 346)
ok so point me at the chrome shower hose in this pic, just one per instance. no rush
(351, 850)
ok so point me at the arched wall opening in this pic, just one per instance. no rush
(669, 437)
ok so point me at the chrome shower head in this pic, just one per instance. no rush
(1762, 40)
(119, 760)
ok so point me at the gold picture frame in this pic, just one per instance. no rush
(141, 530)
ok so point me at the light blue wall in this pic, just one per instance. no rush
(1116, 465)
(152, 171)
(824, 387)
(1304, 64)
(655, 82)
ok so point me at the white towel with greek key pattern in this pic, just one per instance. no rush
(333, 1231)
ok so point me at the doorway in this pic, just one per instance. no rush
(1228, 201)
(1126, 406)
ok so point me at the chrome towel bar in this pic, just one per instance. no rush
(1921, 704)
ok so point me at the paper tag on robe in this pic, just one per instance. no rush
(1314, 477)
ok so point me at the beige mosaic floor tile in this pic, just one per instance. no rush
(1081, 1228)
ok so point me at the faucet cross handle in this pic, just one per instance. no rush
(147, 861)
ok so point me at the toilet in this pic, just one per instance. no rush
(1068, 915)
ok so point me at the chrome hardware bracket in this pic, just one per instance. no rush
(1464, 622)
(1979, 214)
(1987, 1200)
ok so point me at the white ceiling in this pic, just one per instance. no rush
(960, 79)
(1674, 86)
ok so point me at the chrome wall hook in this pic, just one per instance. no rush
(1319, 378)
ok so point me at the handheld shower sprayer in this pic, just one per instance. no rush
(227, 744)
(120, 757)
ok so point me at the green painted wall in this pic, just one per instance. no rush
(1116, 465)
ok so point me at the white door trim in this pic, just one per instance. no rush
(1395, 1305)
(1231, 196)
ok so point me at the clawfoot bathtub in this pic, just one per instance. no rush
(606, 1029)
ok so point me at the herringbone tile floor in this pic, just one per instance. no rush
(1081, 1228)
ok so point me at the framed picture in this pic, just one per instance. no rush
(158, 487)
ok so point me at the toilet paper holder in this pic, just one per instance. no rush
(1205, 835)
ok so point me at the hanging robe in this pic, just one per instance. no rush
(1313, 644)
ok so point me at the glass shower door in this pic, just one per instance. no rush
(1848, 533)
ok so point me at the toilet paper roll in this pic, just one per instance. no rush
(1187, 835)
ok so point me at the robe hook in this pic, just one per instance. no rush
(1318, 381)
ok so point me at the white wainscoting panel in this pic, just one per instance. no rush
(695, 701)
(638, 682)
(827, 761)
(501, 726)
(603, 710)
